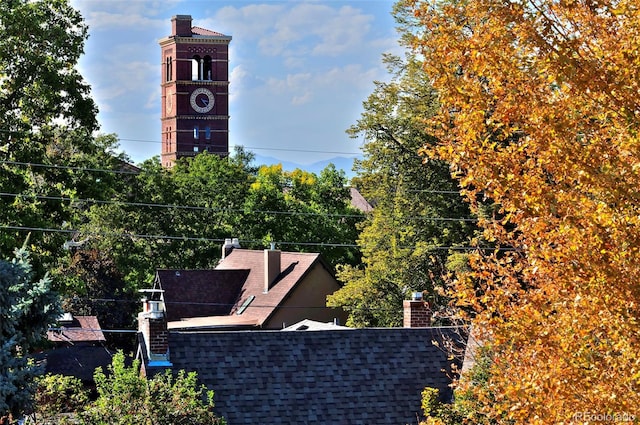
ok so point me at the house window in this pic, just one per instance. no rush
(195, 149)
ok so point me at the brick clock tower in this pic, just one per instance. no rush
(195, 91)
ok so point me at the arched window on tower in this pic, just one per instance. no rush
(196, 132)
(167, 69)
(207, 68)
(207, 133)
(196, 68)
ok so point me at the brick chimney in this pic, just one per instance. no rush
(152, 324)
(417, 313)
(271, 266)
(181, 25)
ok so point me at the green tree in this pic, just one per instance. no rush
(125, 397)
(47, 152)
(167, 218)
(27, 308)
(302, 212)
(59, 394)
(95, 287)
(419, 217)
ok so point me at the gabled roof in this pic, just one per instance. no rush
(361, 376)
(358, 201)
(200, 293)
(80, 361)
(80, 329)
(204, 31)
(232, 294)
(294, 267)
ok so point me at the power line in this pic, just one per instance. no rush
(185, 207)
(68, 167)
(168, 237)
(267, 148)
(122, 171)
(250, 242)
(209, 209)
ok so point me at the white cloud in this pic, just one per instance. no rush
(246, 23)
(134, 81)
(237, 77)
(125, 8)
(301, 99)
(280, 29)
(100, 20)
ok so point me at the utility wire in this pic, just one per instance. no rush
(251, 242)
(158, 142)
(68, 167)
(178, 238)
(208, 209)
(102, 170)
(184, 207)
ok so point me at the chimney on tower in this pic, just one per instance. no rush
(181, 26)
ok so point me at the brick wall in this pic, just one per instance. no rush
(155, 333)
(416, 314)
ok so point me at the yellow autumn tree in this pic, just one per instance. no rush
(540, 112)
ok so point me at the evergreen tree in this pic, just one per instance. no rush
(27, 308)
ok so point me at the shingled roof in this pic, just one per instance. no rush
(362, 376)
(294, 266)
(80, 360)
(205, 32)
(233, 294)
(200, 293)
(79, 329)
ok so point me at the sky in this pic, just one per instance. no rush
(299, 70)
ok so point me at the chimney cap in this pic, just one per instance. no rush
(416, 296)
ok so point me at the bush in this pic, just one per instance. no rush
(59, 394)
(126, 398)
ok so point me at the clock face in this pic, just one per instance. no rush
(202, 100)
(168, 103)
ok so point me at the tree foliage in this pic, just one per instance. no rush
(27, 308)
(47, 118)
(59, 394)
(539, 111)
(296, 208)
(125, 397)
(179, 217)
(419, 216)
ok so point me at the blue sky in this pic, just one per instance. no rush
(299, 70)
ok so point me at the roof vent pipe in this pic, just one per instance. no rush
(228, 246)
